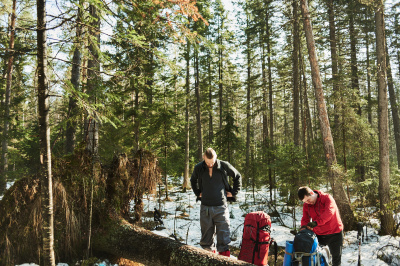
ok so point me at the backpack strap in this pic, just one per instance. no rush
(298, 256)
(256, 246)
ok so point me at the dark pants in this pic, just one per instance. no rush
(335, 244)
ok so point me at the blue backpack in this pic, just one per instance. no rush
(304, 250)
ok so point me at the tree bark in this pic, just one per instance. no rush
(396, 32)
(393, 106)
(70, 137)
(369, 97)
(210, 98)
(137, 244)
(198, 107)
(248, 100)
(92, 123)
(264, 29)
(387, 221)
(334, 59)
(310, 135)
(355, 86)
(334, 174)
(136, 119)
(271, 176)
(296, 76)
(353, 56)
(220, 77)
(186, 182)
(44, 138)
(7, 103)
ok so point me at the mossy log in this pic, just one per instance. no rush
(135, 243)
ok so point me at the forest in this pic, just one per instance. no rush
(103, 101)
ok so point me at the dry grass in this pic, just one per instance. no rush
(114, 186)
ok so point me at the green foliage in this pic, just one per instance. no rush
(142, 88)
(231, 143)
(292, 170)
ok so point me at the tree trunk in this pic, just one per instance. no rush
(334, 59)
(134, 243)
(335, 176)
(186, 182)
(7, 103)
(92, 123)
(393, 106)
(296, 78)
(271, 114)
(387, 221)
(75, 80)
(248, 114)
(210, 107)
(353, 56)
(303, 129)
(360, 169)
(220, 77)
(264, 91)
(72, 105)
(44, 138)
(369, 96)
(396, 32)
(166, 168)
(198, 107)
(136, 119)
(310, 135)
(286, 137)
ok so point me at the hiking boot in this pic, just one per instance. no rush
(226, 253)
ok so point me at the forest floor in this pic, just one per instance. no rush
(180, 215)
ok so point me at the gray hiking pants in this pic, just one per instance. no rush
(215, 220)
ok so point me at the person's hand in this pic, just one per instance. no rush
(230, 197)
(198, 197)
(311, 225)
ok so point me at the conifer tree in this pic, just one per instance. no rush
(330, 155)
(187, 125)
(334, 59)
(46, 179)
(92, 87)
(7, 102)
(393, 106)
(296, 76)
(387, 221)
(75, 82)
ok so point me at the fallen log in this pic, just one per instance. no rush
(135, 243)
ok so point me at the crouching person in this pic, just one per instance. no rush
(326, 222)
(210, 184)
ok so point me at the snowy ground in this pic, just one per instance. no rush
(181, 218)
(8, 185)
(188, 229)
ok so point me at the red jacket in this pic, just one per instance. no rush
(325, 213)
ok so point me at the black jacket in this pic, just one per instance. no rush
(226, 168)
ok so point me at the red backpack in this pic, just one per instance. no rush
(256, 238)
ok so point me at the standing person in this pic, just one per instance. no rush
(326, 222)
(210, 184)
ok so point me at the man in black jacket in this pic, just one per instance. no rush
(211, 185)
